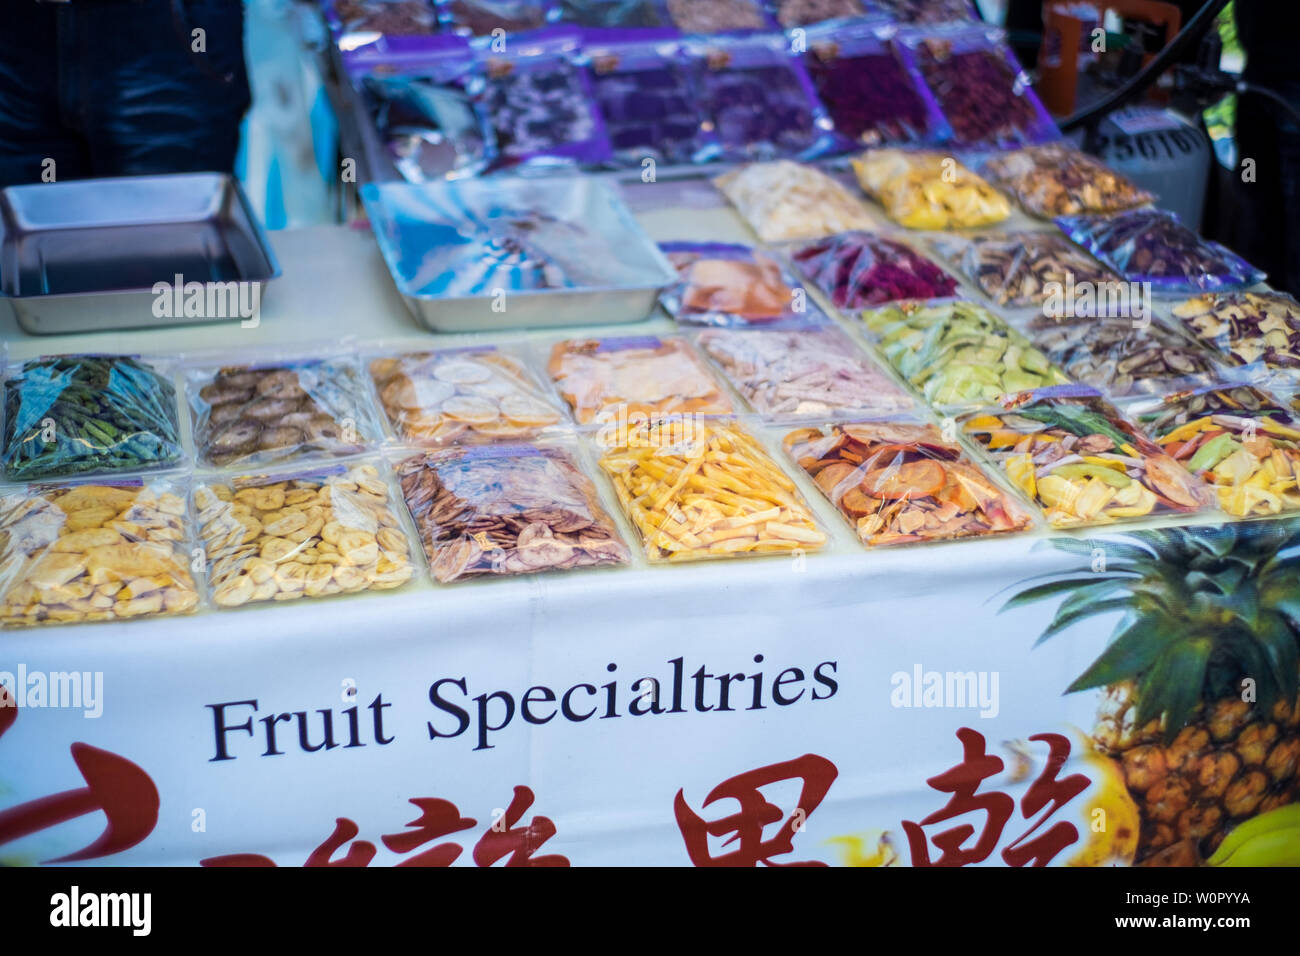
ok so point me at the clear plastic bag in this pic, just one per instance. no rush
(301, 534)
(1245, 328)
(1055, 179)
(256, 414)
(758, 98)
(697, 488)
(88, 414)
(927, 11)
(1022, 268)
(649, 98)
(984, 94)
(615, 378)
(870, 95)
(1122, 358)
(958, 354)
(1083, 463)
(455, 395)
(631, 14)
(927, 190)
(803, 372)
(859, 269)
(898, 482)
(482, 17)
(787, 200)
(728, 284)
(1239, 440)
(516, 509)
(1153, 245)
(94, 552)
(799, 13)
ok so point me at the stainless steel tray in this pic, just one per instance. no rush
(86, 255)
(498, 253)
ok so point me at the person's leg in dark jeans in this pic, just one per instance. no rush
(136, 86)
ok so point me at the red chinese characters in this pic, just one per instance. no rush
(1047, 792)
(746, 825)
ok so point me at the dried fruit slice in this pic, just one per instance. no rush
(913, 479)
(475, 411)
(462, 372)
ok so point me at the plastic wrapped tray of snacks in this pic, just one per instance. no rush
(90, 254)
(484, 255)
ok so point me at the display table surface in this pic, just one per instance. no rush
(815, 680)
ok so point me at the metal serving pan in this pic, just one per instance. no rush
(481, 255)
(85, 255)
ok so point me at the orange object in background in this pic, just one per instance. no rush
(1064, 39)
(753, 290)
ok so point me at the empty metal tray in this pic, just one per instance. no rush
(486, 254)
(87, 255)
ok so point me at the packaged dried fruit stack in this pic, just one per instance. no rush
(649, 98)
(869, 94)
(507, 509)
(898, 482)
(1238, 439)
(705, 488)
(983, 92)
(801, 372)
(304, 534)
(85, 414)
(477, 393)
(859, 270)
(1083, 463)
(256, 414)
(607, 380)
(717, 16)
(758, 99)
(958, 354)
(481, 17)
(1122, 357)
(787, 200)
(89, 552)
(729, 284)
(390, 17)
(1153, 245)
(1055, 179)
(799, 13)
(1023, 268)
(1247, 328)
(539, 101)
(927, 190)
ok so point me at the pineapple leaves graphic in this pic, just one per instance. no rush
(1205, 608)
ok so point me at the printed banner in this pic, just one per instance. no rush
(1119, 699)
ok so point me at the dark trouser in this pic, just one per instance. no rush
(1269, 233)
(119, 87)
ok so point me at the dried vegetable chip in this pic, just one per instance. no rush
(1074, 455)
(1239, 440)
(507, 510)
(542, 112)
(86, 552)
(1152, 245)
(1247, 327)
(1055, 179)
(858, 269)
(898, 483)
(250, 414)
(302, 535)
(959, 354)
(461, 394)
(600, 378)
(1122, 357)
(802, 372)
(1023, 268)
(82, 414)
(697, 489)
(927, 190)
(787, 200)
(730, 284)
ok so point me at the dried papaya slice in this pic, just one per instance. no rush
(915, 479)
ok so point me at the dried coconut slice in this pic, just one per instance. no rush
(462, 372)
(474, 411)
